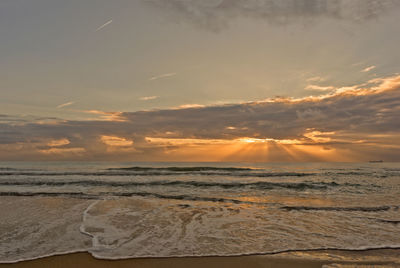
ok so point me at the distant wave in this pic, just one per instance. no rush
(361, 209)
(160, 173)
(52, 194)
(102, 195)
(178, 169)
(259, 185)
(388, 221)
(7, 168)
(380, 220)
(392, 169)
(196, 170)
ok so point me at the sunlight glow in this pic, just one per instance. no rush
(256, 140)
(318, 136)
(107, 116)
(312, 148)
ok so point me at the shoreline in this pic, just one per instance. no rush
(312, 258)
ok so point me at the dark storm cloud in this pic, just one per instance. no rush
(216, 14)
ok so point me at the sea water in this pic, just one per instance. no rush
(123, 210)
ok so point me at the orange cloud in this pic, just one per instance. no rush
(373, 86)
(108, 116)
(314, 136)
(115, 141)
(76, 150)
(56, 143)
(188, 106)
(318, 136)
(319, 88)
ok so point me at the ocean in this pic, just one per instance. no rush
(123, 210)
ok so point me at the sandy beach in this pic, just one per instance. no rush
(322, 258)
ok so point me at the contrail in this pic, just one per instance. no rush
(368, 69)
(104, 25)
(162, 76)
(148, 98)
(65, 104)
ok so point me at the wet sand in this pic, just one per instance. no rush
(321, 258)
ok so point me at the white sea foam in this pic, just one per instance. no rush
(139, 227)
(37, 227)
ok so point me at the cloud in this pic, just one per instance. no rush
(320, 88)
(217, 14)
(370, 68)
(354, 123)
(386, 83)
(148, 98)
(22, 119)
(63, 151)
(104, 25)
(107, 116)
(162, 76)
(65, 104)
(57, 143)
(188, 106)
(115, 141)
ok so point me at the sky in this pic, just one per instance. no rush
(191, 80)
